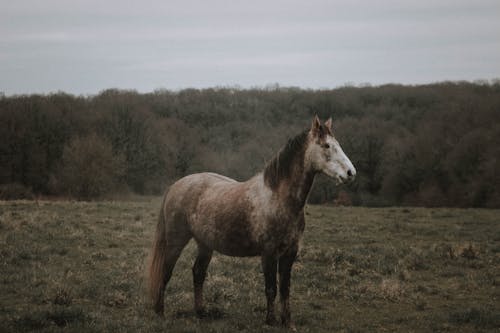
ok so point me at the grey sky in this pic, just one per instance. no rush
(83, 47)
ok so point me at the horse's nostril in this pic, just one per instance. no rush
(349, 173)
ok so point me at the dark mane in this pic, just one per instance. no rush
(280, 166)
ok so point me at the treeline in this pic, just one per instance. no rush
(431, 145)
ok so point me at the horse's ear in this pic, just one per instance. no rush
(316, 128)
(328, 125)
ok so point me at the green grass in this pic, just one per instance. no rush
(79, 267)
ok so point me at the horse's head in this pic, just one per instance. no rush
(324, 153)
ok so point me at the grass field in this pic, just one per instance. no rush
(79, 267)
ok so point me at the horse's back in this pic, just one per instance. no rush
(216, 176)
(186, 193)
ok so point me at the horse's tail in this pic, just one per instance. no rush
(157, 268)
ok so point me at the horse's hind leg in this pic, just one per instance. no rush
(172, 252)
(199, 273)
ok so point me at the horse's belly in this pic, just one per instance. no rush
(238, 249)
(239, 239)
(234, 238)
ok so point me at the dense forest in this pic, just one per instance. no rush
(429, 145)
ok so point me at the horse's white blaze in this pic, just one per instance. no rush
(331, 160)
(339, 166)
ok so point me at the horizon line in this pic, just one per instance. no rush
(265, 87)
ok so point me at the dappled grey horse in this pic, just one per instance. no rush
(263, 216)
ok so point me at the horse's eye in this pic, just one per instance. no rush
(326, 146)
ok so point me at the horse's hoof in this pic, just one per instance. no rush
(291, 327)
(288, 324)
(271, 321)
(159, 311)
(201, 313)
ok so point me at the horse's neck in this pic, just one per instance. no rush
(295, 190)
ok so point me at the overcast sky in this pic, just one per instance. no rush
(83, 47)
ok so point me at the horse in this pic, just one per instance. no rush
(263, 216)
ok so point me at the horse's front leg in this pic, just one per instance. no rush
(285, 267)
(269, 266)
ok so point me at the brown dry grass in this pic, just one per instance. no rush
(80, 267)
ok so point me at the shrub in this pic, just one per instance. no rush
(89, 168)
(15, 191)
